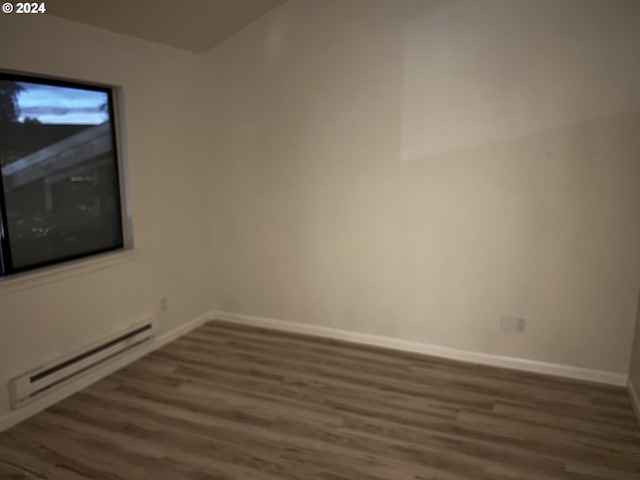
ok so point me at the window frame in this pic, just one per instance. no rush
(103, 256)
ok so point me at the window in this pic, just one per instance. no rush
(60, 196)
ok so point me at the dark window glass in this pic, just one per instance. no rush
(60, 194)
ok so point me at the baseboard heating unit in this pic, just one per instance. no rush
(53, 375)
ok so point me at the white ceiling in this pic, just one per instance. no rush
(194, 25)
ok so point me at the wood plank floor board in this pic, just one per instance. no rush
(252, 439)
(236, 402)
(490, 393)
(440, 368)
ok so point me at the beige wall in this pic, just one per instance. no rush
(164, 112)
(410, 171)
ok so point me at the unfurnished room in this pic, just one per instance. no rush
(320, 239)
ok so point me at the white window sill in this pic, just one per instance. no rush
(57, 273)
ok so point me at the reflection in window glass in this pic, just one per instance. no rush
(60, 195)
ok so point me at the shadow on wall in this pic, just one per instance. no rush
(482, 72)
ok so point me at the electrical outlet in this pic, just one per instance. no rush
(163, 304)
(511, 324)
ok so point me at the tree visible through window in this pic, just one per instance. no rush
(60, 193)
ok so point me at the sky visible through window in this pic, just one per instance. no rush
(62, 105)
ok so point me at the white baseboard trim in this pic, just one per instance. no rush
(635, 399)
(17, 416)
(513, 363)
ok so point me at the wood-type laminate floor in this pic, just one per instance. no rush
(233, 402)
